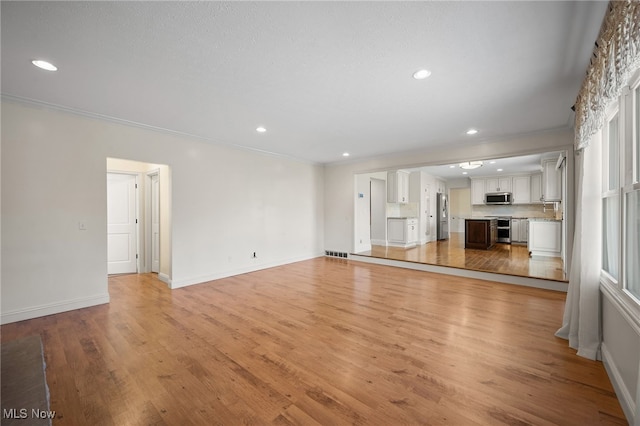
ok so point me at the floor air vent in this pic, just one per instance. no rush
(335, 254)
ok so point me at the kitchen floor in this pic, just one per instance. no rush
(508, 259)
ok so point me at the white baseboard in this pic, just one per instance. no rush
(53, 308)
(402, 245)
(224, 274)
(624, 396)
(378, 242)
(165, 279)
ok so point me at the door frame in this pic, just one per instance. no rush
(148, 220)
(137, 205)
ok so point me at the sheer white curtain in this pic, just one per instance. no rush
(581, 321)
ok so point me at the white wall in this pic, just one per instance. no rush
(621, 354)
(226, 204)
(339, 177)
(459, 183)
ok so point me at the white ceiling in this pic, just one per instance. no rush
(322, 77)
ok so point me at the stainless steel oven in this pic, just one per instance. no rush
(504, 230)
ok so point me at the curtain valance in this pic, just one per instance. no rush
(615, 56)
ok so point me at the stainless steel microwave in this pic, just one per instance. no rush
(498, 198)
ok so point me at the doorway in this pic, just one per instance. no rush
(151, 218)
(459, 207)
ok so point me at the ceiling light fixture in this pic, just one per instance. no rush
(421, 74)
(44, 65)
(465, 173)
(345, 154)
(499, 170)
(471, 165)
(260, 129)
(472, 131)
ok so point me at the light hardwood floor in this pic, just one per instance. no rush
(510, 259)
(325, 341)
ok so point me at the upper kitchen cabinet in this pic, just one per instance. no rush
(398, 187)
(477, 191)
(536, 188)
(521, 189)
(551, 181)
(502, 184)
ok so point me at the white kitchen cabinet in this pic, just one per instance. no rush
(536, 188)
(519, 230)
(545, 238)
(398, 187)
(521, 190)
(551, 181)
(402, 232)
(502, 184)
(477, 191)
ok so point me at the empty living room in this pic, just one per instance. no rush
(254, 213)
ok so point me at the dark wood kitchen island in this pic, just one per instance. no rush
(480, 233)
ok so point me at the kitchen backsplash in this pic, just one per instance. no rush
(518, 210)
(402, 210)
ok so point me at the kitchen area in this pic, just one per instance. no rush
(474, 221)
(519, 209)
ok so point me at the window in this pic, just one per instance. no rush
(631, 194)
(621, 194)
(632, 246)
(611, 197)
(613, 154)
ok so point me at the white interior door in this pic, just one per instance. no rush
(121, 224)
(155, 223)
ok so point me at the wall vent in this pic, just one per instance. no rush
(332, 253)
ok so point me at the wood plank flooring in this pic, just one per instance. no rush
(325, 341)
(511, 259)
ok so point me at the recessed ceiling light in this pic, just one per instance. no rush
(44, 65)
(499, 170)
(260, 129)
(421, 74)
(465, 173)
(452, 167)
(492, 162)
(345, 154)
(472, 131)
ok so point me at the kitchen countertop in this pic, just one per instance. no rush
(402, 217)
(545, 219)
